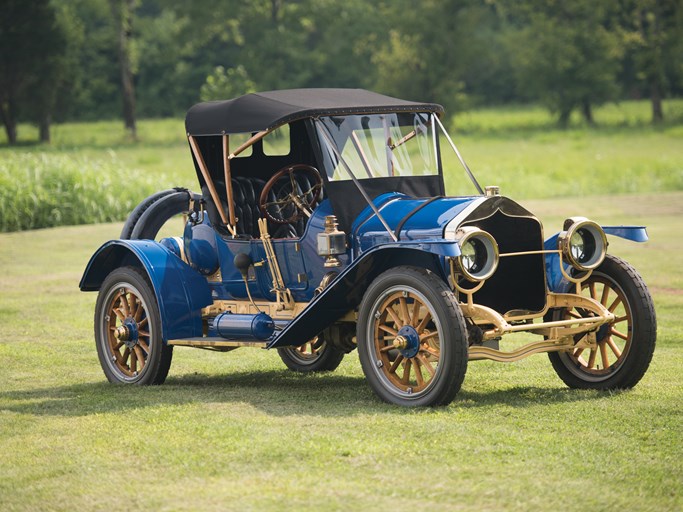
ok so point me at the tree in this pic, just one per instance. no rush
(224, 84)
(567, 54)
(122, 11)
(654, 34)
(29, 65)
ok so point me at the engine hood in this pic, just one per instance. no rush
(425, 218)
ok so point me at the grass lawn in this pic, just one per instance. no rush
(239, 431)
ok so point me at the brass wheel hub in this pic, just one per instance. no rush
(121, 333)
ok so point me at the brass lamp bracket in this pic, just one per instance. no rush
(283, 295)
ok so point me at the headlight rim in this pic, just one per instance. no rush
(462, 236)
(571, 227)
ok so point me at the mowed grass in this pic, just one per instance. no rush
(237, 431)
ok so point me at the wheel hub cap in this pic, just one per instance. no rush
(127, 333)
(407, 341)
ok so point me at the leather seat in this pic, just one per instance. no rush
(246, 193)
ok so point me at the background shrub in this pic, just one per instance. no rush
(41, 190)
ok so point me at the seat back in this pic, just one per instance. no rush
(246, 193)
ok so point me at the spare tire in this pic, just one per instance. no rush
(151, 214)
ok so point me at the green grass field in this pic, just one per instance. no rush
(238, 431)
(518, 149)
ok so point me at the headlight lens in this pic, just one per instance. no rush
(478, 258)
(583, 243)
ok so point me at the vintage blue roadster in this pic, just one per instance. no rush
(323, 226)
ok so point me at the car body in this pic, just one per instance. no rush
(323, 225)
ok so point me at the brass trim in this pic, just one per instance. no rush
(480, 353)
(572, 225)
(526, 253)
(492, 190)
(558, 333)
(283, 295)
(244, 307)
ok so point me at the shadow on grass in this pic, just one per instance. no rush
(276, 393)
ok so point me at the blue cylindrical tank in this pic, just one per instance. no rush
(243, 327)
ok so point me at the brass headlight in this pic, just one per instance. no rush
(583, 243)
(478, 258)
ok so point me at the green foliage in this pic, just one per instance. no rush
(32, 67)
(460, 53)
(568, 56)
(39, 190)
(226, 83)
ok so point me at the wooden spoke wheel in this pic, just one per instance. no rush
(411, 338)
(625, 346)
(316, 355)
(128, 330)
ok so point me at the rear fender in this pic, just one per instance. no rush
(181, 292)
(346, 291)
(556, 280)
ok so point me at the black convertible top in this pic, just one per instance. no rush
(264, 110)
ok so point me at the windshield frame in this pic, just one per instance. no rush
(379, 144)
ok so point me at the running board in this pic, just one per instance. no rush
(217, 342)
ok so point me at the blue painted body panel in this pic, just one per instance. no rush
(346, 291)
(427, 223)
(556, 281)
(242, 327)
(181, 292)
(633, 233)
(295, 256)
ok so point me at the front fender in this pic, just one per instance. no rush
(181, 292)
(556, 281)
(346, 291)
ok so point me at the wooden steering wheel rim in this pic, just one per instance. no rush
(290, 169)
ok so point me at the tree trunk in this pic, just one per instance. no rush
(45, 120)
(565, 114)
(275, 7)
(587, 112)
(9, 121)
(125, 18)
(656, 99)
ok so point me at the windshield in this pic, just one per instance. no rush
(379, 145)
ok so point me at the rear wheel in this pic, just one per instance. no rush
(412, 342)
(316, 355)
(625, 346)
(128, 330)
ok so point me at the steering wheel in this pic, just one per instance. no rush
(291, 193)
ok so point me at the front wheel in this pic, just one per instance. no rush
(412, 342)
(625, 346)
(128, 330)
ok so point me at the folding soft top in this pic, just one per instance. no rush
(264, 110)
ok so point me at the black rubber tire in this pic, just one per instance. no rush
(158, 360)
(150, 215)
(453, 348)
(628, 371)
(326, 359)
(134, 216)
